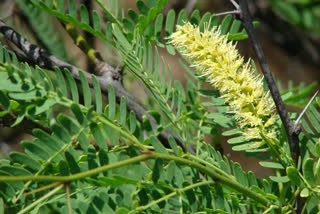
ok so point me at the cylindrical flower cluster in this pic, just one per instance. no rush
(219, 61)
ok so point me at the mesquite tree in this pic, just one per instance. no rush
(96, 149)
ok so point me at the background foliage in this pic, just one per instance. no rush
(90, 153)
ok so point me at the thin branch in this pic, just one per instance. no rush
(292, 131)
(67, 187)
(305, 108)
(227, 13)
(190, 5)
(109, 75)
(235, 4)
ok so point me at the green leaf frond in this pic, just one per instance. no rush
(71, 16)
(149, 21)
(101, 154)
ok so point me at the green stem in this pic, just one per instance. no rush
(151, 155)
(41, 199)
(210, 165)
(78, 175)
(166, 197)
(123, 132)
(67, 187)
(42, 188)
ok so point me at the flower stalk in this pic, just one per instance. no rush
(219, 61)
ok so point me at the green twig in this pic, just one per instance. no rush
(41, 199)
(77, 176)
(42, 188)
(151, 155)
(67, 186)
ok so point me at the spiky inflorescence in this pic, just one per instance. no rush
(217, 59)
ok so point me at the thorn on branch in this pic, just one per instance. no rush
(305, 108)
(234, 12)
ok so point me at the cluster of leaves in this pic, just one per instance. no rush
(97, 158)
(302, 13)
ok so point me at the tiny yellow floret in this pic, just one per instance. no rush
(219, 61)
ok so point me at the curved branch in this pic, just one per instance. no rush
(292, 131)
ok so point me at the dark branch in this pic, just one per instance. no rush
(296, 42)
(42, 58)
(291, 131)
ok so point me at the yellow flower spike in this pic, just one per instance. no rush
(219, 61)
